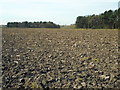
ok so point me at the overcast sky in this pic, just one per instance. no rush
(63, 12)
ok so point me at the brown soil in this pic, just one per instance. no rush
(51, 58)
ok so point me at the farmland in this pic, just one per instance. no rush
(60, 58)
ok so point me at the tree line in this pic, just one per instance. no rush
(109, 19)
(26, 24)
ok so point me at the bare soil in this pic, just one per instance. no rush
(56, 58)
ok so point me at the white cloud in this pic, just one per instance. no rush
(59, 0)
(55, 10)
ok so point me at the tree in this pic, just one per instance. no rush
(26, 24)
(108, 19)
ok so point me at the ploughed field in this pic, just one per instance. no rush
(56, 58)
